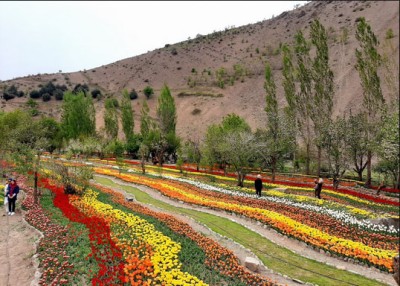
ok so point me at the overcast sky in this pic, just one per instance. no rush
(47, 36)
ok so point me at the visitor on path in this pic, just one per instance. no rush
(318, 188)
(258, 185)
(5, 194)
(380, 188)
(12, 192)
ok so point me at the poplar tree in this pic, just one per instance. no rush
(322, 102)
(288, 73)
(368, 62)
(145, 120)
(274, 132)
(111, 118)
(304, 102)
(166, 112)
(127, 114)
(78, 115)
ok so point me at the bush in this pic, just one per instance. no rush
(95, 93)
(35, 94)
(59, 94)
(8, 96)
(133, 94)
(389, 34)
(46, 97)
(148, 91)
(81, 87)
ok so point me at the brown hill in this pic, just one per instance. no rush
(189, 68)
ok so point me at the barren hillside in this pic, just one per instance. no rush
(190, 68)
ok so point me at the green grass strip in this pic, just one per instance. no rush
(277, 258)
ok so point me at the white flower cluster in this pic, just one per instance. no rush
(336, 214)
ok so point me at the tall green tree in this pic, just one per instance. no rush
(23, 144)
(321, 112)
(78, 115)
(111, 118)
(276, 140)
(166, 111)
(304, 97)
(389, 149)
(368, 62)
(357, 133)
(167, 142)
(145, 119)
(231, 143)
(127, 114)
(336, 142)
(289, 87)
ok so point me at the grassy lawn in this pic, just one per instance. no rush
(277, 258)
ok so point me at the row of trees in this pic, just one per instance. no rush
(345, 141)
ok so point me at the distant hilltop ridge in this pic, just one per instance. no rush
(223, 72)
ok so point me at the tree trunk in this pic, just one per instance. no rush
(273, 163)
(319, 161)
(143, 166)
(308, 159)
(369, 169)
(240, 179)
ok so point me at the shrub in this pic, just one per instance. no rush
(196, 111)
(95, 93)
(59, 94)
(31, 103)
(148, 91)
(81, 87)
(133, 94)
(46, 97)
(8, 96)
(174, 52)
(35, 94)
(389, 34)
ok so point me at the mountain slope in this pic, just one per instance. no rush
(189, 68)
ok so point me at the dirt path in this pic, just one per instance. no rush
(294, 245)
(17, 248)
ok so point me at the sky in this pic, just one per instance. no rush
(68, 36)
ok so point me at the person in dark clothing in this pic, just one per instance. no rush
(318, 188)
(12, 192)
(258, 185)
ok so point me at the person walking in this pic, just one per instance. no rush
(12, 192)
(258, 185)
(318, 188)
(5, 194)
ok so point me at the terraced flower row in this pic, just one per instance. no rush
(128, 250)
(217, 257)
(315, 229)
(154, 255)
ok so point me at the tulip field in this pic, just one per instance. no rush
(100, 238)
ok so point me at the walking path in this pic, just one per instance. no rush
(17, 248)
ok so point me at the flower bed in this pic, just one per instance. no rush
(341, 240)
